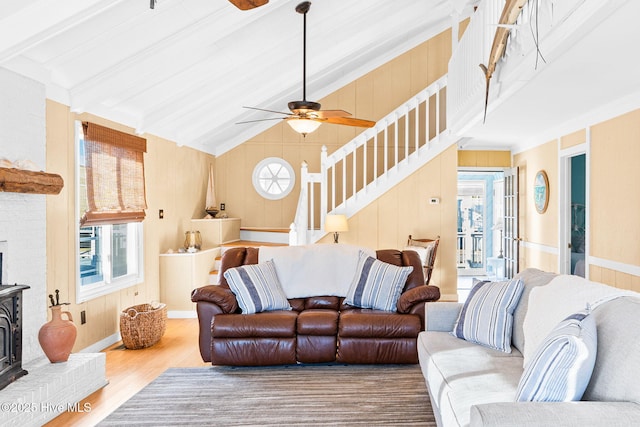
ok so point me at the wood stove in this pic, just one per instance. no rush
(11, 333)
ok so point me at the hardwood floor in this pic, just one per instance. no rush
(128, 371)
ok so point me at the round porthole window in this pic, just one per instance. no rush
(273, 178)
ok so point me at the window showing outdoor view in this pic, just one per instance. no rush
(109, 253)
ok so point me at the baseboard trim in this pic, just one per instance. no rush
(102, 344)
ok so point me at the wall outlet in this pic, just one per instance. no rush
(434, 201)
(222, 206)
(83, 317)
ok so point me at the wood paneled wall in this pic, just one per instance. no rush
(372, 97)
(614, 201)
(176, 179)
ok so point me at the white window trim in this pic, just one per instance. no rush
(94, 290)
(256, 178)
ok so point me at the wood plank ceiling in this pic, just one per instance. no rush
(184, 70)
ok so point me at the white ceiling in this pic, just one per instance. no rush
(591, 75)
(184, 70)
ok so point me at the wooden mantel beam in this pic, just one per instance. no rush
(23, 181)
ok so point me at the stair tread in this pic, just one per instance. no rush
(249, 243)
(266, 229)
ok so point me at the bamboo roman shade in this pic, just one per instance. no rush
(114, 165)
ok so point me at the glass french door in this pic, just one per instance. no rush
(511, 239)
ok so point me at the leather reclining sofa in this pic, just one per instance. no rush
(318, 329)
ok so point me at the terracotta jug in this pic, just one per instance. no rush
(58, 335)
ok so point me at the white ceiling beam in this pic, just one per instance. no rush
(46, 19)
(214, 27)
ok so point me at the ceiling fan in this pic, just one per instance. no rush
(248, 4)
(240, 4)
(306, 116)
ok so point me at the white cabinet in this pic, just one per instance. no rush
(215, 232)
(180, 274)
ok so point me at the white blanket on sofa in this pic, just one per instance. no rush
(314, 270)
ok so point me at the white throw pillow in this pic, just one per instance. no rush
(562, 366)
(487, 316)
(377, 284)
(550, 304)
(421, 250)
(257, 288)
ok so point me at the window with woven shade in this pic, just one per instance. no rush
(114, 171)
(111, 205)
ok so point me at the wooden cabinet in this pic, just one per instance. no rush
(180, 274)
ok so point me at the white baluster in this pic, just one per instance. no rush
(438, 112)
(386, 149)
(375, 158)
(354, 170)
(344, 175)
(323, 186)
(395, 142)
(333, 187)
(427, 121)
(364, 163)
(406, 134)
(417, 123)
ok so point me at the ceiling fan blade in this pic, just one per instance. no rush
(248, 4)
(260, 120)
(350, 121)
(268, 111)
(324, 114)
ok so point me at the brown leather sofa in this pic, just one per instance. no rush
(319, 329)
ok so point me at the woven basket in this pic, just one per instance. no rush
(143, 325)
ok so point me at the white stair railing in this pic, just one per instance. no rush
(551, 26)
(374, 161)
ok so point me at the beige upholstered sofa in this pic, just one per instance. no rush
(470, 384)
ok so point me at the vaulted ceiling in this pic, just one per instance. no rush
(185, 69)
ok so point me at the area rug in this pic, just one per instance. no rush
(283, 396)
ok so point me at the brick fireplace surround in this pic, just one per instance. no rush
(48, 389)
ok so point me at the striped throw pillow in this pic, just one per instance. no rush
(376, 284)
(257, 288)
(562, 366)
(487, 316)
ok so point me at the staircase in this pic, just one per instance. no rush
(372, 163)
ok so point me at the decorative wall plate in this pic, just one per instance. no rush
(541, 191)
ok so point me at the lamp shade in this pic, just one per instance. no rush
(334, 223)
(303, 126)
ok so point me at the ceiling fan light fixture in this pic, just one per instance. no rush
(302, 125)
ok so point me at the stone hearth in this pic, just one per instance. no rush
(51, 389)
